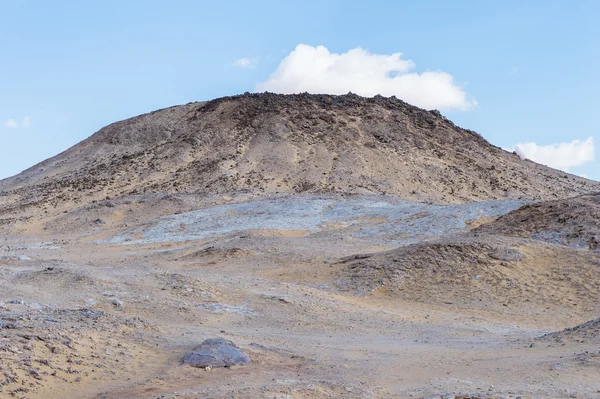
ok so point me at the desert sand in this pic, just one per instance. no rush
(350, 247)
(108, 309)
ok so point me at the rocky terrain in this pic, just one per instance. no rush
(304, 246)
(571, 221)
(269, 144)
(483, 272)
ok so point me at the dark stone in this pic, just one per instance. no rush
(4, 324)
(593, 243)
(216, 352)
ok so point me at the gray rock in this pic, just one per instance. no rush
(507, 254)
(216, 352)
(220, 308)
(117, 302)
(4, 324)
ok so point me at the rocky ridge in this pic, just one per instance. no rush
(573, 222)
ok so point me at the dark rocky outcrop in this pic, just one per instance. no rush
(572, 221)
(216, 352)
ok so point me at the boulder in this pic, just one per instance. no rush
(216, 352)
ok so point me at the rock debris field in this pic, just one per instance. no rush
(305, 296)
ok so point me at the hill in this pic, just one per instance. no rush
(502, 274)
(572, 221)
(267, 144)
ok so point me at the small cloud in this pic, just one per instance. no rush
(11, 123)
(246, 63)
(317, 70)
(514, 70)
(563, 156)
(26, 124)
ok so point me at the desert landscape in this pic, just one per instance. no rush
(297, 246)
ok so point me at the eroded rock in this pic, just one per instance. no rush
(506, 254)
(216, 352)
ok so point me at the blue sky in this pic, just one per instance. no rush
(68, 68)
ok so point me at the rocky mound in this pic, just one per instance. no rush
(43, 349)
(574, 222)
(216, 352)
(495, 273)
(585, 332)
(269, 143)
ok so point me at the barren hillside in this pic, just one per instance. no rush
(481, 271)
(269, 144)
(231, 221)
(571, 221)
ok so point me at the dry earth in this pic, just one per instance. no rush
(108, 309)
(571, 221)
(352, 247)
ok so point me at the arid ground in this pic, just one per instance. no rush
(351, 247)
(104, 307)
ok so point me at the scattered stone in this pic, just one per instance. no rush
(277, 298)
(118, 304)
(90, 302)
(507, 254)
(216, 352)
(4, 324)
(219, 308)
(91, 314)
(593, 243)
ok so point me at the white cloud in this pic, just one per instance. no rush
(11, 123)
(316, 70)
(26, 122)
(246, 63)
(563, 156)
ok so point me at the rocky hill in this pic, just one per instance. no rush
(573, 221)
(474, 270)
(232, 220)
(269, 144)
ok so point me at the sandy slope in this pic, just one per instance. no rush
(571, 221)
(286, 299)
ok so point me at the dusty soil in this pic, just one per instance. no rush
(108, 309)
(483, 272)
(351, 247)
